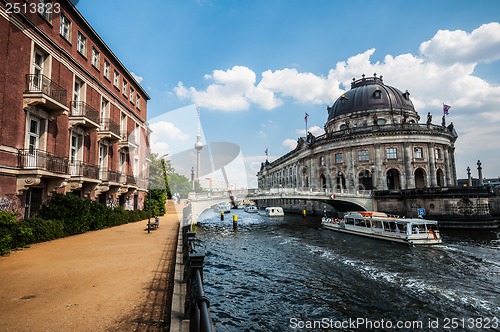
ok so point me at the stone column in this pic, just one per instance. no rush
(453, 166)
(410, 179)
(448, 174)
(432, 164)
(312, 171)
(349, 176)
(379, 171)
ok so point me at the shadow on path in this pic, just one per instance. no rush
(154, 313)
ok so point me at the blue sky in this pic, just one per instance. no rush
(255, 68)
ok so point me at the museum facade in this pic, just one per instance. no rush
(374, 140)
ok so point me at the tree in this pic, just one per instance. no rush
(176, 183)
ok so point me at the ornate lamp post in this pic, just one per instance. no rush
(480, 173)
(469, 178)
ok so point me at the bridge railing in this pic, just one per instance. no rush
(308, 191)
(197, 305)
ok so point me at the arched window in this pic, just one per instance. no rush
(393, 181)
(365, 180)
(420, 178)
(440, 178)
(322, 180)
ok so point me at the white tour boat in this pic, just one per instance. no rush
(381, 226)
(222, 207)
(274, 211)
(250, 208)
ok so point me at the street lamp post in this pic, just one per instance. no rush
(149, 205)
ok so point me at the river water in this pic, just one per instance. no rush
(289, 274)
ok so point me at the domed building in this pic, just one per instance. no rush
(374, 140)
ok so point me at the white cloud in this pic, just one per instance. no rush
(290, 143)
(458, 46)
(315, 130)
(442, 72)
(138, 78)
(163, 135)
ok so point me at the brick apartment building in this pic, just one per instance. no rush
(72, 117)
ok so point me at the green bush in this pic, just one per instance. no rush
(5, 241)
(45, 230)
(7, 223)
(7, 218)
(22, 235)
(64, 215)
(98, 216)
(71, 210)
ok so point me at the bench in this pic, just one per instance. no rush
(155, 224)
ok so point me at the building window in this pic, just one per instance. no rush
(104, 112)
(82, 44)
(33, 135)
(343, 100)
(377, 94)
(438, 153)
(106, 69)
(124, 88)
(38, 69)
(116, 80)
(418, 153)
(363, 155)
(123, 163)
(74, 152)
(131, 95)
(392, 153)
(78, 94)
(45, 9)
(138, 102)
(339, 159)
(95, 57)
(380, 122)
(322, 161)
(65, 27)
(123, 126)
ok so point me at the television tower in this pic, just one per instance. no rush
(198, 146)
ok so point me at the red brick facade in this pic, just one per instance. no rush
(72, 117)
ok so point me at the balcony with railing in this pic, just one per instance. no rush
(109, 129)
(109, 176)
(42, 91)
(84, 115)
(127, 140)
(36, 160)
(79, 169)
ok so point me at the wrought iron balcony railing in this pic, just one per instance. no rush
(107, 125)
(39, 83)
(81, 169)
(84, 110)
(41, 160)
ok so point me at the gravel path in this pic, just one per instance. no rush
(116, 279)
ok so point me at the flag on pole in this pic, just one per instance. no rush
(446, 109)
(305, 117)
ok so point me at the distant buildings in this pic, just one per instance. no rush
(373, 141)
(72, 117)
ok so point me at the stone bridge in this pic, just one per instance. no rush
(199, 202)
(342, 200)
